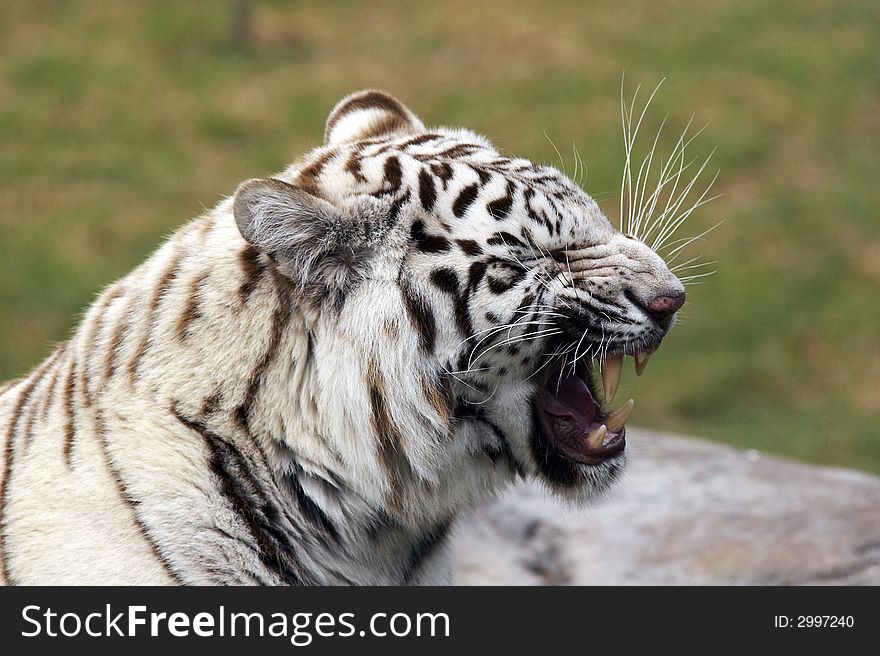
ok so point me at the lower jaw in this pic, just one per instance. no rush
(568, 473)
(575, 441)
(612, 450)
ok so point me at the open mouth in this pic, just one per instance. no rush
(573, 416)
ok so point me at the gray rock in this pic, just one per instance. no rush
(687, 512)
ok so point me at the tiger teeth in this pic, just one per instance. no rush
(611, 376)
(617, 419)
(641, 359)
(596, 439)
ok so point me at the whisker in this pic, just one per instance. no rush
(550, 332)
(646, 168)
(687, 243)
(630, 136)
(667, 174)
(486, 400)
(559, 154)
(687, 279)
(673, 224)
(650, 211)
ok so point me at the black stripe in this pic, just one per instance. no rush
(228, 575)
(211, 404)
(592, 308)
(238, 573)
(533, 214)
(387, 126)
(504, 239)
(424, 547)
(90, 350)
(314, 513)
(247, 498)
(26, 431)
(465, 199)
(393, 177)
(526, 302)
(500, 162)
(393, 212)
(420, 314)
(192, 310)
(482, 174)
(457, 151)
(421, 139)
(7, 474)
(128, 499)
(427, 190)
(428, 243)
(442, 170)
(447, 281)
(439, 394)
(506, 275)
(253, 267)
(159, 292)
(562, 256)
(69, 413)
(51, 393)
(528, 239)
(308, 178)
(353, 166)
(500, 207)
(280, 319)
(502, 285)
(120, 331)
(388, 436)
(469, 247)
(476, 271)
(463, 411)
(11, 432)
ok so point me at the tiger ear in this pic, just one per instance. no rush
(368, 115)
(323, 249)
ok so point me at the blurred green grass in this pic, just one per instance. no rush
(119, 121)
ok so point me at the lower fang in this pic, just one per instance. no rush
(617, 419)
(596, 439)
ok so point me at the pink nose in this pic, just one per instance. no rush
(665, 306)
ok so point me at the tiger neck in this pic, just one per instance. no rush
(211, 336)
(208, 333)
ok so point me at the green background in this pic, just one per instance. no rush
(121, 120)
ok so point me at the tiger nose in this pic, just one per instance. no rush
(663, 307)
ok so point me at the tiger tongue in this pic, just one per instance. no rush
(570, 397)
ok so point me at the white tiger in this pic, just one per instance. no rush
(309, 383)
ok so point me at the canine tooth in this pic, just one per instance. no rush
(597, 438)
(617, 419)
(611, 376)
(641, 361)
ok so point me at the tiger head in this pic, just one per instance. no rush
(468, 311)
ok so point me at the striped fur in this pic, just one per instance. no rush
(304, 386)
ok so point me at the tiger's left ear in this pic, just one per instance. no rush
(323, 249)
(368, 115)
